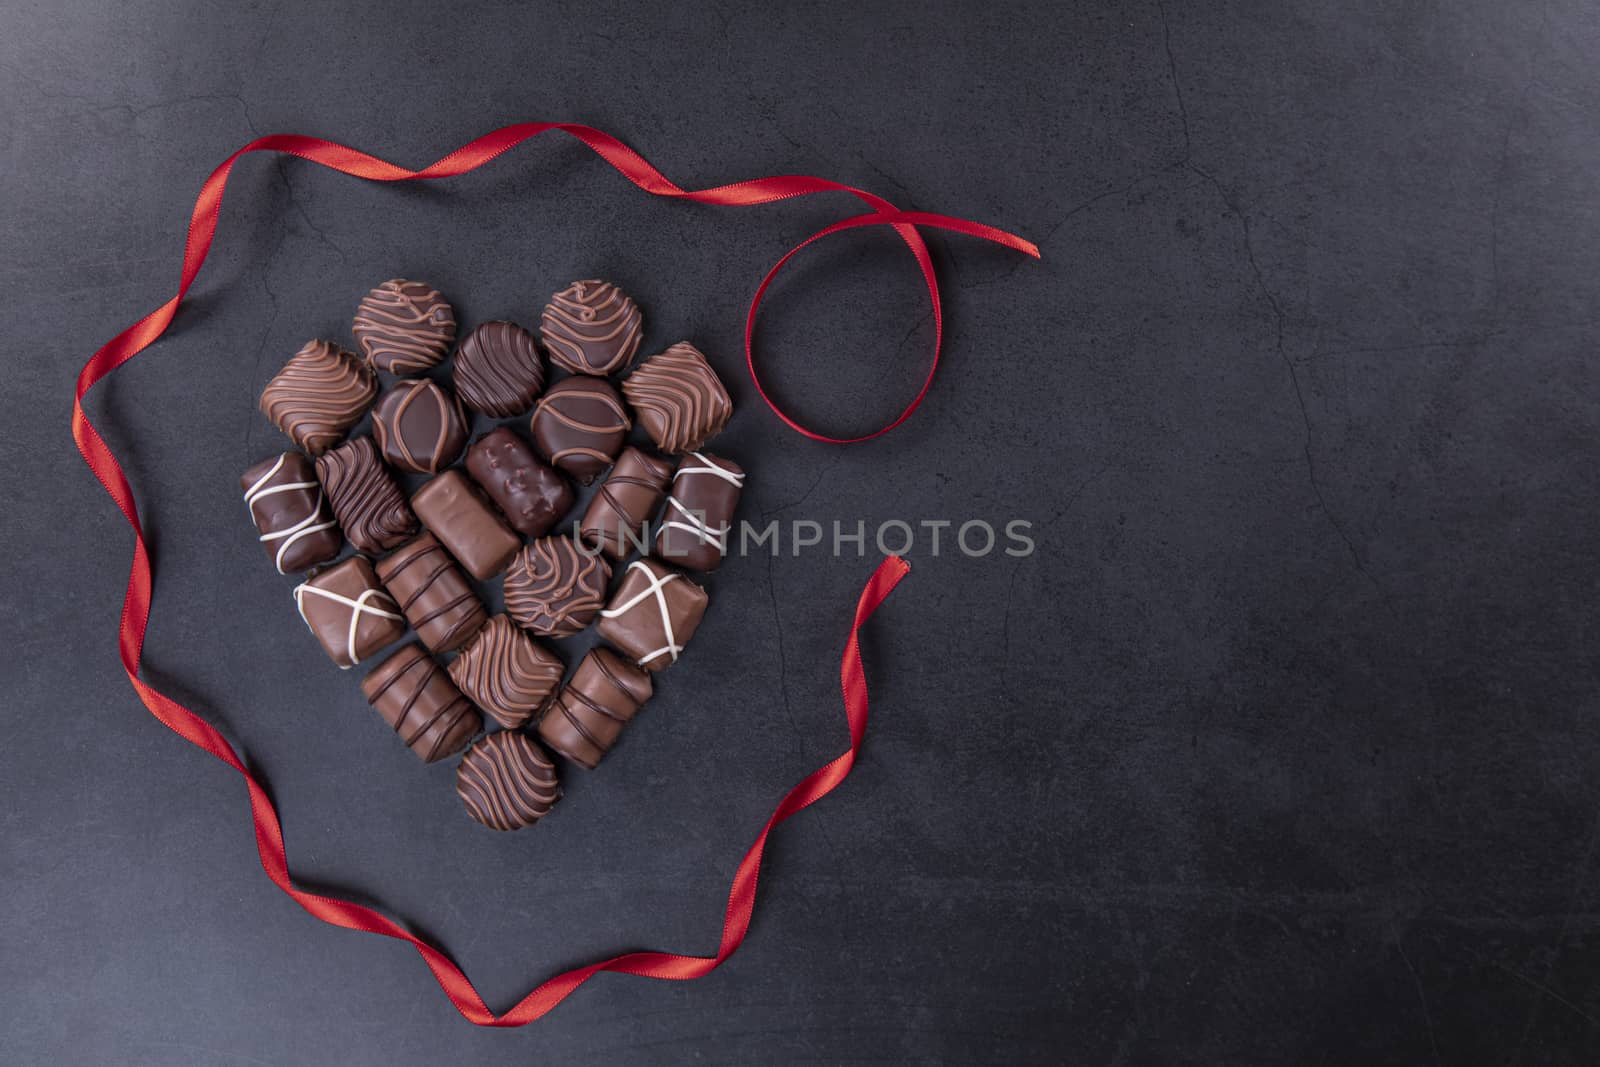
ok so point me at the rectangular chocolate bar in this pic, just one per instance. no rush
(465, 524)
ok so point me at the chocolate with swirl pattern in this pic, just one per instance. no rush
(497, 370)
(417, 699)
(578, 425)
(433, 593)
(680, 401)
(404, 327)
(555, 588)
(603, 696)
(507, 782)
(506, 673)
(318, 395)
(366, 501)
(591, 327)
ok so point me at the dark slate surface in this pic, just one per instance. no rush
(1282, 748)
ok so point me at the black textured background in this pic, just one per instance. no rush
(1281, 749)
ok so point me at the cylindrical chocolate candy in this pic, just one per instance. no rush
(465, 524)
(699, 517)
(616, 518)
(532, 496)
(586, 716)
(507, 782)
(417, 698)
(291, 513)
(433, 593)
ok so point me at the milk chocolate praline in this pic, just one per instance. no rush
(653, 613)
(291, 513)
(555, 588)
(698, 521)
(465, 524)
(591, 327)
(579, 425)
(605, 693)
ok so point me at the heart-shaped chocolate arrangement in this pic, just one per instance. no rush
(415, 551)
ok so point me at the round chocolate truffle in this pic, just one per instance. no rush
(591, 327)
(579, 425)
(555, 588)
(497, 370)
(419, 426)
(404, 327)
(507, 782)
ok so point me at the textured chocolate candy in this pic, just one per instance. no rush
(404, 327)
(507, 782)
(653, 613)
(531, 496)
(349, 612)
(679, 399)
(507, 673)
(465, 524)
(588, 714)
(419, 426)
(591, 327)
(617, 514)
(699, 517)
(555, 588)
(433, 593)
(319, 394)
(420, 703)
(290, 512)
(496, 369)
(365, 499)
(579, 424)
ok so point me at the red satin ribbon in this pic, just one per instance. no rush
(190, 726)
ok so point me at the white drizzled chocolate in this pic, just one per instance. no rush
(653, 614)
(291, 513)
(705, 493)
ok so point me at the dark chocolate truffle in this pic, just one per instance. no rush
(591, 327)
(579, 424)
(531, 496)
(699, 517)
(496, 369)
(465, 524)
(349, 612)
(653, 613)
(507, 673)
(555, 588)
(617, 514)
(417, 699)
(679, 399)
(291, 513)
(367, 502)
(588, 714)
(433, 593)
(319, 394)
(507, 782)
(404, 327)
(419, 426)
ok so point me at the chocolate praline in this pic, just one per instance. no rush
(579, 425)
(419, 426)
(496, 369)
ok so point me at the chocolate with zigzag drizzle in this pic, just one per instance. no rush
(404, 327)
(604, 694)
(680, 401)
(591, 327)
(365, 498)
(555, 588)
(507, 782)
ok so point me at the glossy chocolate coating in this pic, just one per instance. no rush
(507, 673)
(419, 426)
(695, 527)
(349, 612)
(404, 327)
(653, 613)
(591, 327)
(465, 524)
(588, 714)
(365, 498)
(617, 514)
(532, 496)
(679, 399)
(432, 593)
(507, 782)
(578, 425)
(420, 703)
(319, 394)
(497, 371)
(555, 588)
(291, 513)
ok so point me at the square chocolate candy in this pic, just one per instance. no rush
(349, 612)
(653, 614)
(465, 524)
(507, 673)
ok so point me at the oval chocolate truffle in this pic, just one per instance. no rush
(507, 782)
(555, 588)
(419, 426)
(591, 327)
(497, 370)
(579, 425)
(404, 327)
